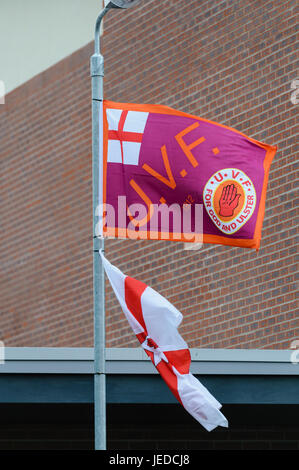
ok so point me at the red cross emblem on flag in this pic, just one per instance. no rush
(155, 322)
(125, 132)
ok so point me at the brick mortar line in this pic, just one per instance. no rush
(144, 13)
(245, 86)
(53, 104)
(212, 27)
(211, 248)
(163, 285)
(254, 62)
(236, 311)
(58, 317)
(151, 272)
(224, 324)
(268, 128)
(240, 290)
(59, 121)
(43, 143)
(242, 335)
(251, 109)
(206, 316)
(220, 71)
(178, 278)
(198, 100)
(235, 116)
(154, 13)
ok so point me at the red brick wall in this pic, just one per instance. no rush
(229, 61)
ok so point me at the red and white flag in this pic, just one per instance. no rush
(154, 321)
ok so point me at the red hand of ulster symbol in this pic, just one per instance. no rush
(229, 200)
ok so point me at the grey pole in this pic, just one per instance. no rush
(97, 77)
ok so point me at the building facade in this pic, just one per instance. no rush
(230, 61)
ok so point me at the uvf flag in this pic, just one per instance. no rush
(155, 321)
(174, 176)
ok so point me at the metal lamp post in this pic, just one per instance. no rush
(97, 75)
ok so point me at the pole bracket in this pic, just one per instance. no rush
(97, 244)
(97, 65)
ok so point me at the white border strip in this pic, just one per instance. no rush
(125, 361)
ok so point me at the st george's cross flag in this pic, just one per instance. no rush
(163, 167)
(154, 321)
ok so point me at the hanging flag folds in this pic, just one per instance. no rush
(155, 321)
(169, 175)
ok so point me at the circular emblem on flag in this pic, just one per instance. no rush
(229, 198)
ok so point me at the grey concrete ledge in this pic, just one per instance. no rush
(135, 361)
